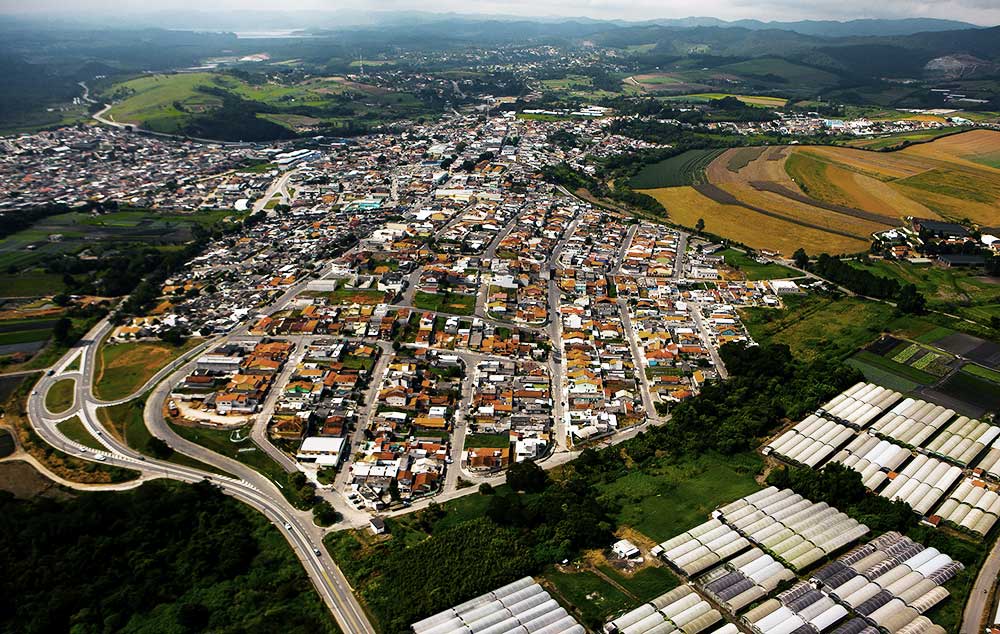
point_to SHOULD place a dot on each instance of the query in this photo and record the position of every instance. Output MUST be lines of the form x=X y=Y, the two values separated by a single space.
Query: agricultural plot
x=153 y=101
x=761 y=101
x=687 y=168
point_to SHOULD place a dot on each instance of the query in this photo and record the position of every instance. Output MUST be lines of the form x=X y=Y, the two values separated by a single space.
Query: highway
x=249 y=486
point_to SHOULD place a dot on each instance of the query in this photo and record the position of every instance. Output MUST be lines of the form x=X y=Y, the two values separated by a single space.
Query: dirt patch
x=25 y=482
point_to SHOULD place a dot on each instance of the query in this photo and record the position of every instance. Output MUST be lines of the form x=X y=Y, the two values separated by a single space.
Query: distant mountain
x=831 y=28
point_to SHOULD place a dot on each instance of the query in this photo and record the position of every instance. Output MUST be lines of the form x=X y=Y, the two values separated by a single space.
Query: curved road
x=250 y=486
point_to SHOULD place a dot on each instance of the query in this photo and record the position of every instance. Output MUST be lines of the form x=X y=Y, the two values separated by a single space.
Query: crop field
x=686 y=205
x=789 y=72
x=123 y=368
x=761 y=101
x=829 y=199
x=31 y=246
x=894 y=141
x=687 y=168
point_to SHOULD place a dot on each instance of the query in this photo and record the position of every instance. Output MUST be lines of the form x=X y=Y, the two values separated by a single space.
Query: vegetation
x=754 y=270
x=863 y=282
x=684 y=169
x=207 y=564
x=73 y=429
x=446 y=302
x=60 y=396
x=123 y=368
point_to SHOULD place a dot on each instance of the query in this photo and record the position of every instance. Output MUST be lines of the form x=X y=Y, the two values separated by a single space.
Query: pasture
x=761 y=101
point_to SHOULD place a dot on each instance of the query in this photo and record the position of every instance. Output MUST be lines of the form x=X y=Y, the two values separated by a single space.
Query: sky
x=984 y=12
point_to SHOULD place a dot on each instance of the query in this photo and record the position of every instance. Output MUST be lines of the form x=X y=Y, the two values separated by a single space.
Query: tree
x=910 y=301
x=526 y=476
x=800 y=258
x=486 y=489
x=700 y=225
x=158 y=449
x=324 y=514
x=61 y=329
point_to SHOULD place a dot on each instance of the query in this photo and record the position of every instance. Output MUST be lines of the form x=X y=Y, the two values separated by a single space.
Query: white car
x=288 y=526
x=100 y=457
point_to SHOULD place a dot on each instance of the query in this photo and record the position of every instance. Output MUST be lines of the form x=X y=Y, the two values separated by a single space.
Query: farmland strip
x=777 y=188
x=721 y=196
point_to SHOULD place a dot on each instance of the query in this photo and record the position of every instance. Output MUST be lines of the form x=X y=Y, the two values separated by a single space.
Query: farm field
x=687 y=168
x=828 y=199
x=686 y=205
x=762 y=101
x=123 y=368
x=895 y=141
x=171 y=102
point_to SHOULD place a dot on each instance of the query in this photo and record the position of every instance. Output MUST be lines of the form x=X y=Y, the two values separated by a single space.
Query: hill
x=831 y=199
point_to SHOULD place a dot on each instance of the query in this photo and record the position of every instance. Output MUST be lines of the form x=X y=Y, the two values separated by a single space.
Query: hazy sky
x=985 y=12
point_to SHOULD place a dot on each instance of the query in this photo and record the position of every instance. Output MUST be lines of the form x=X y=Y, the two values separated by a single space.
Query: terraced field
x=829 y=199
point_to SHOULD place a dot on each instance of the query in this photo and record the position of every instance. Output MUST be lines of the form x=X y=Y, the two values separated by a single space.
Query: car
x=143 y=458
x=100 y=457
x=34 y=392
x=316 y=551
x=288 y=526
x=50 y=373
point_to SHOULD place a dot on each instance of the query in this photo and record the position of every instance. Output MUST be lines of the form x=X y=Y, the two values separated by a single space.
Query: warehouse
x=749 y=577
x=701 y=547
x=971 y=506
x=797 y=531
x=522 y=607
x=811 y=442
x=913 y=421
x=922 y=483
x=963 y=440
x=860 y=405
x=680 y=611
x=890 y=581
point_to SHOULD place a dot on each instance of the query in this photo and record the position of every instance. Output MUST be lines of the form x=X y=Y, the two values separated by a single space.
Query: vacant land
x=455 y=303
x=123 y=368
x=667 y=499
x=687 y=168
x=754 y=270
x=60 y=396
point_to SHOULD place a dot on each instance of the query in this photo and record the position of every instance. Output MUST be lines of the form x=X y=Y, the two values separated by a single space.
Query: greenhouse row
x=922 y=483
x=701 y=547
x=810 y=442
x=747 y=578
x=962 y=440
x=971 y=506
x=890 y=582
x=872 y=457
x=801 y=608
x=680 y=611
x=990 y=463
x=913 y=421
x=860 y=405
x=797 y=531
x=522 y=607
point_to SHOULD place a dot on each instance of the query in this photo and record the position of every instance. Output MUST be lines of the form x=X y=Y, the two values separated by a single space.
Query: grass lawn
x=126 y=422
x=645 y=584
x=667 y=500
x=593 y=598
x=754 y=270
x=487 y=440
x=455 y=303
x=123 y=368
x=60 y=396
x=980 y=371
x=881 y=376
x=32 y=284
x=73 y=429
x=218 y=441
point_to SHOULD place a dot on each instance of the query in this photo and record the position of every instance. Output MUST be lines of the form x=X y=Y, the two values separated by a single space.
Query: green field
x=783 y=70
x=754 y=270
x=497 y=441
x=760 y=101
x=687 y=168
x=32 y=284
x=981 y=372
x=126 y=422
x=123 y=368
x=73 y=429
x=667 y=499
x=60 y=396
x=895 y=141
x=447 y=302
x=152 y=100
x=593 y=598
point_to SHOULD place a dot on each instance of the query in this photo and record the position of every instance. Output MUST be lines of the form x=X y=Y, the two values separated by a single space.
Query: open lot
x=60 y=396
x=754 y=270
x=123 y=368
x=455 y=303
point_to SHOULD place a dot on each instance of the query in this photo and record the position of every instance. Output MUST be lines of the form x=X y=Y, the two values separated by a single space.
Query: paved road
x=248 y=486
x=979 y=596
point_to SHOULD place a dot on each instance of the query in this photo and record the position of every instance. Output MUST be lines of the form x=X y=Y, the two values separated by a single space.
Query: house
x=325 y=451
x=377 y=526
